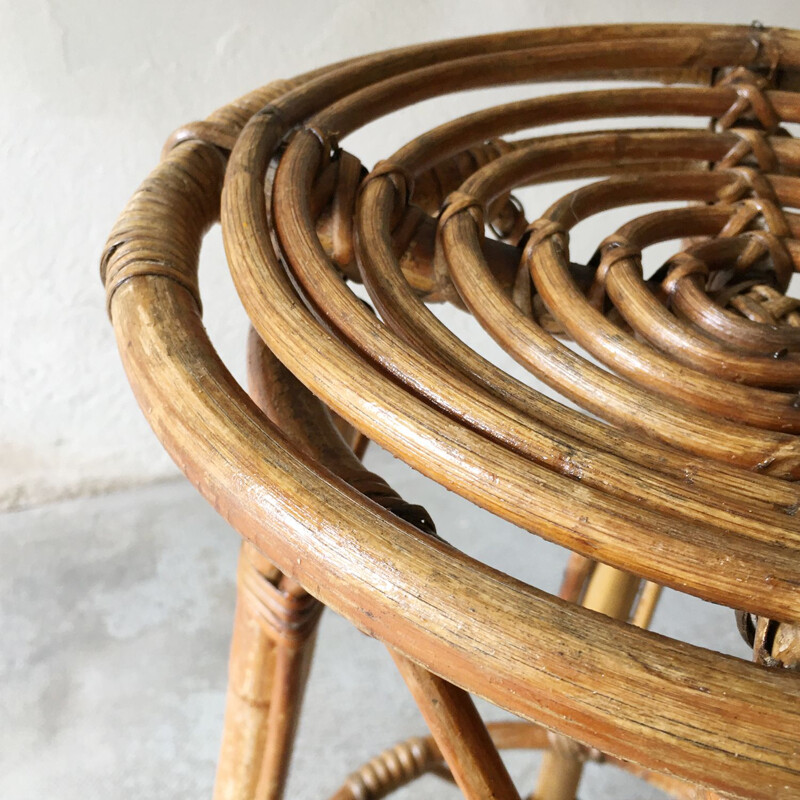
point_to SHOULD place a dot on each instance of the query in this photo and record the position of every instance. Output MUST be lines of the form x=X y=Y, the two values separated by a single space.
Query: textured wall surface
x=89 y=91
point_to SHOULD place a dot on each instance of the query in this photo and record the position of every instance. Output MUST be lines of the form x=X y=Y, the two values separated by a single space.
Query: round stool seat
x=679 y=471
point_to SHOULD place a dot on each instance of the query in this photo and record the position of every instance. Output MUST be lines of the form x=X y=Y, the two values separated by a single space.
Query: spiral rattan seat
x=682 y=474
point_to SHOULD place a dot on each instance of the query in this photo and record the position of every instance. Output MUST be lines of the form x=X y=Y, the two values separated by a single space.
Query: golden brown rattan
x=683 y=474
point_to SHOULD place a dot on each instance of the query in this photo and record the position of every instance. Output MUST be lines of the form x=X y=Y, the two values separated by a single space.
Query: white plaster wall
x=89 y=91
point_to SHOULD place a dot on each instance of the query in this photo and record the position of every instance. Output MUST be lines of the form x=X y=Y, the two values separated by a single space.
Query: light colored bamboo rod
x=645 y=608
x=611 y=591
x=559 y=776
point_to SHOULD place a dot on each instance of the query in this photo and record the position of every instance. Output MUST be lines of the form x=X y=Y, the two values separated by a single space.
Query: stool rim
x=273 y=496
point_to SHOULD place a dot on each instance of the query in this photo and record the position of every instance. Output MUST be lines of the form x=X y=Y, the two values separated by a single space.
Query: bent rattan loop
x=458 y=202
x=273 y=110
x=400 y=178
x=751 y=99
x=748 y=182
x=328 y=140
x=612 y=250
x=745 y=212
x=349 y=175
x=509 y=223
x=680 y=266
x=215 y=133
x=751 y=142
x=761 y=242
x=538 y=231
x=521 y=292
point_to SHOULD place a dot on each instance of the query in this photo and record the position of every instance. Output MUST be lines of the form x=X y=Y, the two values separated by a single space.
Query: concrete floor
x=115 y=614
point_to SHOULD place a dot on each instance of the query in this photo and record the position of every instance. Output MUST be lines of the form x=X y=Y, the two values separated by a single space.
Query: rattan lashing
x=684 y=477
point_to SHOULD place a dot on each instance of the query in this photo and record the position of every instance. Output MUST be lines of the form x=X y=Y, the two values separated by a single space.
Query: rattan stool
x=682 y=474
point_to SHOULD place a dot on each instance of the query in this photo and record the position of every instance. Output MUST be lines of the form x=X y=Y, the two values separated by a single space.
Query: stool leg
x=612 y=592
x=273 y=641
x=459 y=732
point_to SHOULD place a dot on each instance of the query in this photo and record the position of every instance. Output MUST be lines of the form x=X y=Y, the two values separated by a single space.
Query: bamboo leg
x=459 y=733
x=273 y=640
x=292 y=666
x=579 y=569
x=611 y=592
x=559 y=775
x=645 y=608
